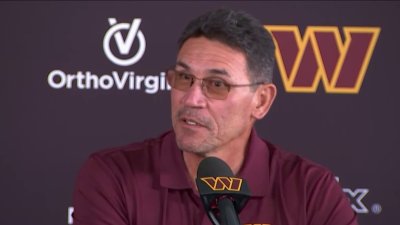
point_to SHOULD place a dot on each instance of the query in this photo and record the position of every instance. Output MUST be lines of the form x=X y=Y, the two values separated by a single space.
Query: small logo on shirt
x=257 y=224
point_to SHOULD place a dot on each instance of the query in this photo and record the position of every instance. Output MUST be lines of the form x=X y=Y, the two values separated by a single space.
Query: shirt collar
x=173 y=169
x=254 y=169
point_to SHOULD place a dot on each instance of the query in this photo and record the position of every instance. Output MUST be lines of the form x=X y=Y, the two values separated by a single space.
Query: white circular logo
x=124 y=46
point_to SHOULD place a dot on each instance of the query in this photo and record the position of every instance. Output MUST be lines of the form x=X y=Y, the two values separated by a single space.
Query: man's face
x=202 y=124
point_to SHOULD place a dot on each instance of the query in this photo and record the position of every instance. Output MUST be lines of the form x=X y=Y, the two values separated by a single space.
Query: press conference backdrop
x=77 y=77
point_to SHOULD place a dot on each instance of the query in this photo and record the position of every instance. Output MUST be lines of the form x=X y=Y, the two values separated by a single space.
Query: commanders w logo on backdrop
x=322 y=55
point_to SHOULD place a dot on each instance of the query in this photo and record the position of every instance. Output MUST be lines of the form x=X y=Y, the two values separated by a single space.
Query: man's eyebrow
x=218 y=72
x=182 y=64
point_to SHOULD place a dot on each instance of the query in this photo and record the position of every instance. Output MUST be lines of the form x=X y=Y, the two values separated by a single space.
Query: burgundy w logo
x=223 y=183
x=322 y=55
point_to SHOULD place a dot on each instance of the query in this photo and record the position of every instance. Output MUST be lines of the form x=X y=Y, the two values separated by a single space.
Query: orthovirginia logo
x=114 y=80
x=124 y=47
x=322 y=55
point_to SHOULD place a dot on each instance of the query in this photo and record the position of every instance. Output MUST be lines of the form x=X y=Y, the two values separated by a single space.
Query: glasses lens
x=216 y=88
x=179 y=80
x=213 y=87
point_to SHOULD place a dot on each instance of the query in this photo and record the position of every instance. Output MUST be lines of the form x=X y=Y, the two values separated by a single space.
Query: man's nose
x=195 y=96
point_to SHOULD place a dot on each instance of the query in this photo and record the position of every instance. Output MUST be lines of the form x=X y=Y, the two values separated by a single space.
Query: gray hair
x=240 y=31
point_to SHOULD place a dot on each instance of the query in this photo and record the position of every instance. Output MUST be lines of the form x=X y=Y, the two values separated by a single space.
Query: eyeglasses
x=212 y=87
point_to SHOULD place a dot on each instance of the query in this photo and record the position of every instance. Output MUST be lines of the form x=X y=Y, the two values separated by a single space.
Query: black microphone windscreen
x=213 y=167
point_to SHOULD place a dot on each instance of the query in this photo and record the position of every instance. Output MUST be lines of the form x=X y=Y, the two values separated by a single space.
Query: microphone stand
x=228 y=215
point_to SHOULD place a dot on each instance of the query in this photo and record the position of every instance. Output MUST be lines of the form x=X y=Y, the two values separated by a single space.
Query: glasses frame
x=205 y=86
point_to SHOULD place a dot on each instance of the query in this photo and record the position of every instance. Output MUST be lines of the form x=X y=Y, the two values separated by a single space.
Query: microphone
x=222 y=194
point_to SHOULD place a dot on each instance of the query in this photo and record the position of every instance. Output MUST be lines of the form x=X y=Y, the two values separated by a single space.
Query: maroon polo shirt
x=146 y=184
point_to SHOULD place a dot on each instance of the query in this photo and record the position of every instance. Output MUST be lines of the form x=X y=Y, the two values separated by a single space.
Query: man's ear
x=265 y=95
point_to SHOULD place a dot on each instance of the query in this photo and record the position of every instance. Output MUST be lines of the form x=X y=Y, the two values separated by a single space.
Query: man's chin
x=188 y=147
x=196 y=147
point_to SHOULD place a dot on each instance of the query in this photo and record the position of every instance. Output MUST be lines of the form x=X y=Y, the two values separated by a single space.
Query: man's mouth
x=191 y=122
x=193 y=119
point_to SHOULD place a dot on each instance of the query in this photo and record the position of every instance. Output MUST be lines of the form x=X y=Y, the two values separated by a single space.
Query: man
x=221 y=84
